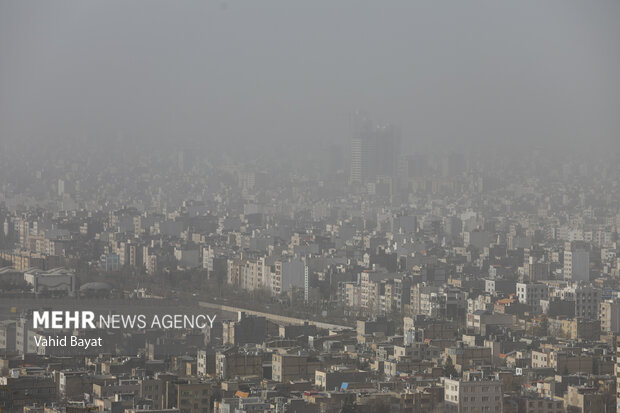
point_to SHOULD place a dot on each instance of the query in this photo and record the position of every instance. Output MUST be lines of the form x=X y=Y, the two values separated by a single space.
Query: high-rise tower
x=374 y=150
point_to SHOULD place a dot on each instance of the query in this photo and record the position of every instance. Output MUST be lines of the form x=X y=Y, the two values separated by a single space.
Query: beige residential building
x=287 y=367
x=542 y=405
x=464 y=357
x=474 y=396
x=194 y=398
x=610 y=316
x=231 y=363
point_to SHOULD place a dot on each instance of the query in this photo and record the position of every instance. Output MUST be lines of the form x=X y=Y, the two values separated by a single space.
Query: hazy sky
x=287 y=71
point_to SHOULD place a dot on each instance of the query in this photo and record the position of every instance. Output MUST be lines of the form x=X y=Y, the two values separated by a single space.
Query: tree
x=448 y=369
x=349 y=406
x=544 y=327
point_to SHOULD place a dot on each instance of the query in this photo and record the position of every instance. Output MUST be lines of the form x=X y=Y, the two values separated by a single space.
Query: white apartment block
x=532 y=293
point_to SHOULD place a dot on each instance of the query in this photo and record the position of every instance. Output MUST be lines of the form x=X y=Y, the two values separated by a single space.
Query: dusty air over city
x=232 y=206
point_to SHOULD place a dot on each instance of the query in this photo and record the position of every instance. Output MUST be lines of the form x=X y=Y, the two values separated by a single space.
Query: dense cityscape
x=370 y=280
x=228 y=206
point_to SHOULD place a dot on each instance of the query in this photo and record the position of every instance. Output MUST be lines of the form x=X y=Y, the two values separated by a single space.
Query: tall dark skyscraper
x=374 y=150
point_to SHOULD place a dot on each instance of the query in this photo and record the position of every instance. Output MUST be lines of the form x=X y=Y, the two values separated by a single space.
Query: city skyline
x=284 y=207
